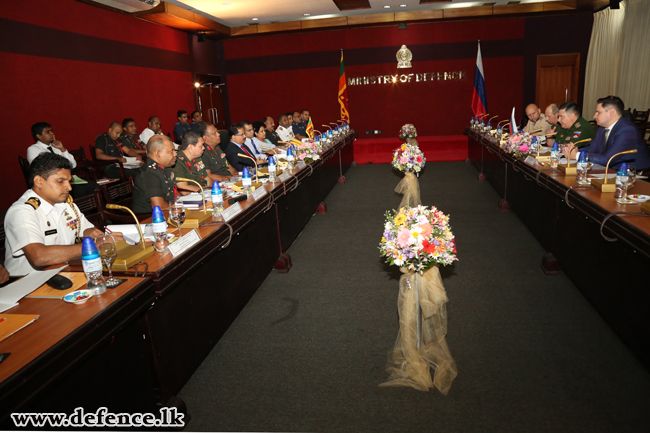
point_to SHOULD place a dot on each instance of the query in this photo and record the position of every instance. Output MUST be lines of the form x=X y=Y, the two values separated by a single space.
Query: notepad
x=78 y=280
x=12 y=323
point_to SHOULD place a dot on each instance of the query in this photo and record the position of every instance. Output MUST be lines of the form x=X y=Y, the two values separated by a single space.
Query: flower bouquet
x=409 y=159
x=419 y=239
x=307 y=151
x=408 y=131
x=519 y=144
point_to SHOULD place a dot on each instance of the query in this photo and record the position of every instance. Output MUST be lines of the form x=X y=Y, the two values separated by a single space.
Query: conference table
x=184 y=304
x=602 y=246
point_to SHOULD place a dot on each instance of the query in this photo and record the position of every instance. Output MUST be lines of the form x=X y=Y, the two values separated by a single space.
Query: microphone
x=254 y=161
x=493 y=117
x=326 y=126
x=602 y=184
x=184 y=179
x=503 y=121
x=137 y=223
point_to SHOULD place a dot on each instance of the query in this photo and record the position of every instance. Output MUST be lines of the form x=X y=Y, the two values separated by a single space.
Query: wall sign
x=407 y=78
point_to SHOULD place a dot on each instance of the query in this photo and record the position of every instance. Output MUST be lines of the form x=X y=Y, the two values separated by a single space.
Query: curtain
x=633 y=81
x=604 y=56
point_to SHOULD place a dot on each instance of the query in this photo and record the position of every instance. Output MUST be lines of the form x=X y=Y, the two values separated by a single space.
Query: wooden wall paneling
x=324 y=22
x=518 y=8
x=557 y=73
x=467 y=12
x=279 y=27
x=433 y=14
x=371 y=19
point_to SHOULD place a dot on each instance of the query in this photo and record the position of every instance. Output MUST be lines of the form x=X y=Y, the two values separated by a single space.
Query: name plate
x=531 y=160
x=301 y=165
x=184 y=243
x=259 y=193
x=231 y=212
x=285 y=176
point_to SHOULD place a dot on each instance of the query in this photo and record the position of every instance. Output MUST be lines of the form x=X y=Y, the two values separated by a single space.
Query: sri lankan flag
x=343 y=93
x=310 y=129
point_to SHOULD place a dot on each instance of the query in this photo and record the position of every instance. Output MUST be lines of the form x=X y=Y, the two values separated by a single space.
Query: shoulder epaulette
x=33 y=202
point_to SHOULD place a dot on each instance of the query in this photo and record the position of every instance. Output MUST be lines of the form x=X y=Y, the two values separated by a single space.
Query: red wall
x=273 y=74
x=79 y=68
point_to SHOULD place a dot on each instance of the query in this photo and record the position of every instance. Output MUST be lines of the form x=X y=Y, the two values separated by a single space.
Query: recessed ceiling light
x=306 y=15
x=255 y=19
x=226 y=4
x=386 y=7
x=402 y=6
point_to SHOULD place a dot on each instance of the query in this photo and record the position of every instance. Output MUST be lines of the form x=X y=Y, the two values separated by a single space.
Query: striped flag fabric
x=310 y=129
x=343 y=93
x=513 y=123
x=479 y=101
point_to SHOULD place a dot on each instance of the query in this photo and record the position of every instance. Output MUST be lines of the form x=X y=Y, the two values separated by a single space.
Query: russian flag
x=479 y=101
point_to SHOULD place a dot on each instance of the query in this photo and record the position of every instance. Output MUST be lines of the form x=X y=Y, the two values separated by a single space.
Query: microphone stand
x=254 y=162
x=602 y=184
x=195 y=219
x=129 y=255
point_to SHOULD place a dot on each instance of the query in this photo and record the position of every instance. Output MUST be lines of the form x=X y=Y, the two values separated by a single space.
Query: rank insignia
x=577 y=124
x=33 y=202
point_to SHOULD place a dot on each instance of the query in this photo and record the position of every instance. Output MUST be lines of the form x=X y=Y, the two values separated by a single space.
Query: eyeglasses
x=237 y=135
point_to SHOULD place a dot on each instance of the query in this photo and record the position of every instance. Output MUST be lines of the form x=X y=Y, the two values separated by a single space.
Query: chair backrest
x=93 y=155
x=24 y=166
x=641 y=116
x=119 y=192
x=2 y=241
x=79 y=155
x=90 y=206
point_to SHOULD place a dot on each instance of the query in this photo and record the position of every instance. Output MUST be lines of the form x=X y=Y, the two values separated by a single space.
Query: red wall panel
x=431 y=33
x=73 y=16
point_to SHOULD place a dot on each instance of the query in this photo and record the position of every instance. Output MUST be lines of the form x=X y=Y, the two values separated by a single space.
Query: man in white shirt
x=154 y=128
x=46 y=142
x=284 y=131
x=537 y=124
x=44 y=227
x=249 y=134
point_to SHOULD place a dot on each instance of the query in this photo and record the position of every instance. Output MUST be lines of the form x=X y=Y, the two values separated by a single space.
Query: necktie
x=255 y=147
x=605 y=140
x=246 y=151
x=50 y=149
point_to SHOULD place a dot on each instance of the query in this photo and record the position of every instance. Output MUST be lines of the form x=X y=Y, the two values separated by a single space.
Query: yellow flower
x=399 y=219
x=383 y=239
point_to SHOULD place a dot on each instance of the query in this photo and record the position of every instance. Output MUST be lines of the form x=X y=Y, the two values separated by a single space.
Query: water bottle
x=159 y=229
x=92 y=265
x=533 y=144
x=329 y=136
x=272 y=168
x=246 y=182
x=471 y=123
x=217 y=199
x=581 y=167
x=555 y=155
x=499 y=131
x=290 y=158
x=620 y=177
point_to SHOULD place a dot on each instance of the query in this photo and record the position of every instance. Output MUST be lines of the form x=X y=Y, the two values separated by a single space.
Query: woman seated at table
x=261 y=141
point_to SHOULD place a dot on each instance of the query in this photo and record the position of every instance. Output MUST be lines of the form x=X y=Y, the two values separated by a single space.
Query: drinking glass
x=177 y=214
x=627 y=180
x=108 y=253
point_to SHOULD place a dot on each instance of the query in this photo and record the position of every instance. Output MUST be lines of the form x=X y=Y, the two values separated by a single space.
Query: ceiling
x=236 y=13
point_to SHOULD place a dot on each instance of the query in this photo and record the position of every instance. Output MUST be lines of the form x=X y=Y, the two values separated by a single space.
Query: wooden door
x=557 y=79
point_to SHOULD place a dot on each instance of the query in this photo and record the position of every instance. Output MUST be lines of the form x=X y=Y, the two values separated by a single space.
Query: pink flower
x=426 y=229
x=403 y=237
x=524 y=148
x=516 y=139
x=404 y=160
x=302 y=155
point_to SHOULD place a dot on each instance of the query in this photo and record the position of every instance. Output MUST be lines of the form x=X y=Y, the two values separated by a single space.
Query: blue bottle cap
x=534 y=139
x=289 y=152
x=157 y=215
x=555 y=147
x=216 y=189
x=623 y=168
x=582 y=157
x=246 y=173
x=88 y=248
x=271 y=160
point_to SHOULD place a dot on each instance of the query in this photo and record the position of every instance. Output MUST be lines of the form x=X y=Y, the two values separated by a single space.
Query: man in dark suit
x=236 y=147
x=616 y=134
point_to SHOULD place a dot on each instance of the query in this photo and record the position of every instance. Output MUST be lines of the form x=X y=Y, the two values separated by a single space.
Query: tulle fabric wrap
x=409 y=187
x=409 y=365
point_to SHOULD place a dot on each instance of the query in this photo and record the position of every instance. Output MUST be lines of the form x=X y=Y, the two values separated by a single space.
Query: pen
x=3 y=319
